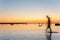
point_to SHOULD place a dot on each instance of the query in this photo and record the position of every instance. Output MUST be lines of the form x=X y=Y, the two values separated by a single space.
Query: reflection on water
x=28 y=32
x=48 y=36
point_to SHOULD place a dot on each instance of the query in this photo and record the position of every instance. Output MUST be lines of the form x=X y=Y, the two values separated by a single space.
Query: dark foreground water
x=28 y=32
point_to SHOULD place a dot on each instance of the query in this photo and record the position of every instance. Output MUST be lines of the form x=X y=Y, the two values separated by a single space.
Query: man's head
x=47 y=16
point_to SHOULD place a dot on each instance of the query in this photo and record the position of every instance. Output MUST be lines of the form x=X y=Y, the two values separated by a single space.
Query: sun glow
x=30 y=20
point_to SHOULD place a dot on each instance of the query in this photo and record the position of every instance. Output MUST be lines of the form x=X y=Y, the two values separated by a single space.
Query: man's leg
x=46 y=29
x=50 y=30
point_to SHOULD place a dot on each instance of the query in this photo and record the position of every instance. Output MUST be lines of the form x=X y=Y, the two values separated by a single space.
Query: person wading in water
x=49 y=23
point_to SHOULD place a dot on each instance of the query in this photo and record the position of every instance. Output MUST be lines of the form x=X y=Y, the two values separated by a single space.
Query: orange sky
x=30 y=20
x=30 y=11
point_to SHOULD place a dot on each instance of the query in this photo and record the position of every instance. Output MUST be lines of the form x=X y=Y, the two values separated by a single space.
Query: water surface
x=28 y=32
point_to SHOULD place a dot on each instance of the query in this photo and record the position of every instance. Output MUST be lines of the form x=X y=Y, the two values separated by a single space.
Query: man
x=49 y=23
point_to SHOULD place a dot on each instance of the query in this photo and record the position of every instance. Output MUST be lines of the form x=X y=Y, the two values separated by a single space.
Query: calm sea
x=28 y=32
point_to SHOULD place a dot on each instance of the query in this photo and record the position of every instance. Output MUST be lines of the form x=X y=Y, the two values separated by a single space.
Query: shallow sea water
x=28 y=32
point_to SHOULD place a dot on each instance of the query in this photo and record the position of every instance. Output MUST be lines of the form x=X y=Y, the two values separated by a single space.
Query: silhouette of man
x=49 y=23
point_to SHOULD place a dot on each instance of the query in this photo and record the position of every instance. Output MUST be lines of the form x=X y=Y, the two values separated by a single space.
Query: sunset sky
x=29 y=10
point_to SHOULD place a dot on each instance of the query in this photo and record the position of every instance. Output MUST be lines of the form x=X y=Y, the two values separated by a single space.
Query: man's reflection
x=48 y=36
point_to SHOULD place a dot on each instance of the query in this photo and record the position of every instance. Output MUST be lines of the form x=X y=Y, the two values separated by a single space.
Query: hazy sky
x=29 y=8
